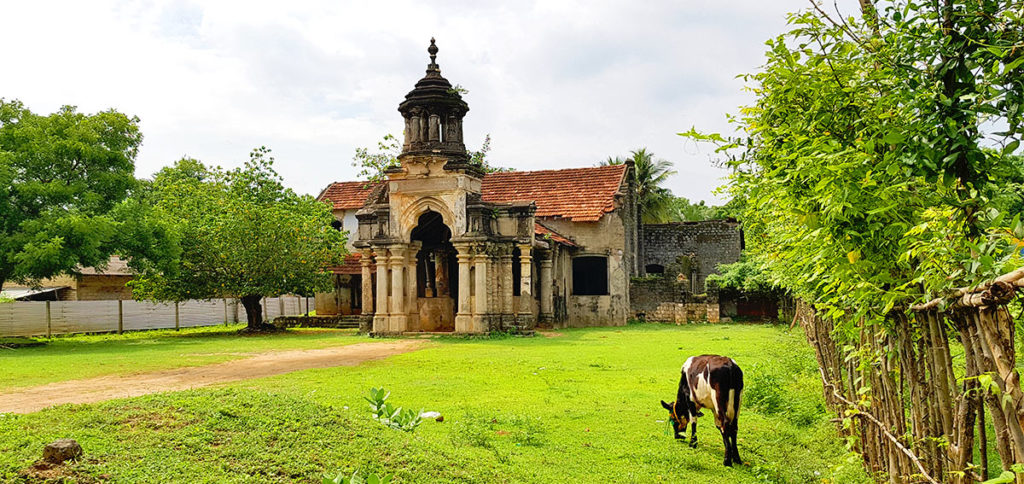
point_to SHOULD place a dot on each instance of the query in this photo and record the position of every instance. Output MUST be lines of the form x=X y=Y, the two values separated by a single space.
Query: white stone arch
x=411 y=215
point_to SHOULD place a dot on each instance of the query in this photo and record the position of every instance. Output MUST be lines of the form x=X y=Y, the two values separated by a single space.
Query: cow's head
x=678 y=416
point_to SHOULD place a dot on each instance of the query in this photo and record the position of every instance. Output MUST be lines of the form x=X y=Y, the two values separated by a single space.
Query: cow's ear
x=668 y=406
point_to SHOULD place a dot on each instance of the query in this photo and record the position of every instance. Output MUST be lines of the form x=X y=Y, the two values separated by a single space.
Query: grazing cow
x=712 y=382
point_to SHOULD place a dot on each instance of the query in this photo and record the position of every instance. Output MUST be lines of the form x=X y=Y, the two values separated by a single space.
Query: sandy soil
x=97 y=389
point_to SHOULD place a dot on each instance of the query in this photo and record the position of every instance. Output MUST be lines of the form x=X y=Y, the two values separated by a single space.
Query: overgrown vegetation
x=871 y=167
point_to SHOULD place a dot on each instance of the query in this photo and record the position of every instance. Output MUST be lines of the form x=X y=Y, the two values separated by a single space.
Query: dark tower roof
x=433 y=90
x=433 y=113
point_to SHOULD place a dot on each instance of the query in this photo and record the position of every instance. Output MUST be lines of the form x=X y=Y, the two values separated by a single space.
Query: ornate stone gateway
x=445 y=259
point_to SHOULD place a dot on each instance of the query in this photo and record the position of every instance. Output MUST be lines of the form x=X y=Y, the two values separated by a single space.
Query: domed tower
x=433 y=113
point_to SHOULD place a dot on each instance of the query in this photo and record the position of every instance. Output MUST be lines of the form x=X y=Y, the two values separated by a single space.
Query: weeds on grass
x=406 y=420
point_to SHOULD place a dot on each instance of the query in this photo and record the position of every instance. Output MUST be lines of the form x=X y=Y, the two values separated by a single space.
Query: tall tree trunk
x=253 y=311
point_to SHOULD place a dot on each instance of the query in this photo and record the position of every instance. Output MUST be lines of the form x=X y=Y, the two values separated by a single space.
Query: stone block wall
x=683 y=246
x=680 y=313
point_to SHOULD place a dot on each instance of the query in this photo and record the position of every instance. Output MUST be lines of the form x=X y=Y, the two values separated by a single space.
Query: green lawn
x=581 y=407
x=84 y=356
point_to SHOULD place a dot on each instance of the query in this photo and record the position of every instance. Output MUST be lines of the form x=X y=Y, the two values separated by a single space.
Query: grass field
x=579 y=407
x=75 y=357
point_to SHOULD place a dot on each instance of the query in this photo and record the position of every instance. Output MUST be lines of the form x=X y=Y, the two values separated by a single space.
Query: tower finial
x=432 y=50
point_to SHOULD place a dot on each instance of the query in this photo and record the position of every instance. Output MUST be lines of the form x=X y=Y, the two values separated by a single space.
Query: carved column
x=434 y=128
x=464 y=316
x=525 y=316
x=411 y=290
x=546 y=302
x=380 y=317
x=398 y=318
x=508 y=312
x=481 y=309
x=365 y=261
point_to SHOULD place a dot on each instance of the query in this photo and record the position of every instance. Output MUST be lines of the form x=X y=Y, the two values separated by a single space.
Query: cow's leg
x=733 y=427
x=728 y=448
x=693 y=434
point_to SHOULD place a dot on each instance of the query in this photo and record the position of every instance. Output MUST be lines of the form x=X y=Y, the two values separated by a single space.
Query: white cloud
x=556 y=83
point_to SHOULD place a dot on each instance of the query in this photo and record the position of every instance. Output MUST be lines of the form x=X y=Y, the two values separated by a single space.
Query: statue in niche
x=435 y=127
x=414 y=129
x=441 y=272
x=450 y=134
x=457 y=129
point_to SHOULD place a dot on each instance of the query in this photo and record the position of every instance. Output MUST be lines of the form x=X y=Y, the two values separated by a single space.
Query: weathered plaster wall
x=605 y=237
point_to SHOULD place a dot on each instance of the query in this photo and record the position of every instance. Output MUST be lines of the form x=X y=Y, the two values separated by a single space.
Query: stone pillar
x=481 y=309
x=441 y=274
x=398 y=318
x=508 y=311
x=464 y=316
x=365 y=261
x=411 y=289
x=380 y=317
x=546 y=283
x=525 y=317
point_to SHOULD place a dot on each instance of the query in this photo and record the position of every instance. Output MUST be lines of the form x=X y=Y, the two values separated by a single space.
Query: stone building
x=441 y=246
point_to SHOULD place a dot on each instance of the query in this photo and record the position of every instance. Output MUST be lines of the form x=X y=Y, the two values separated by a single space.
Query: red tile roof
x=347 y=195
x=545 y=233
x=351 y=265
x=577 y=194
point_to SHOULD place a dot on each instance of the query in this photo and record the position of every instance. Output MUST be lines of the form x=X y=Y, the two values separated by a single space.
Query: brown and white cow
x=712 y=382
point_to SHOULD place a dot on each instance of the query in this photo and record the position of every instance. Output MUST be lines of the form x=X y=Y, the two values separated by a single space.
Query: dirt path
x=97 y=389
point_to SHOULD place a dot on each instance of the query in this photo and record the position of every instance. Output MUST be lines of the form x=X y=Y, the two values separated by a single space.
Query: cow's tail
x=736 y=395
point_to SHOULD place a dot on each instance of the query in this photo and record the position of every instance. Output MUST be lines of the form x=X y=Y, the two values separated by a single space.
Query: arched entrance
x=437 y=281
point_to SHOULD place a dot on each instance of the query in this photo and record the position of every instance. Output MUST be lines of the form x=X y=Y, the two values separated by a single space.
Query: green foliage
x=861 y=165
x=61 y=175
x=238 y=233
x=357 y=478
x=382 y=411
x=656 y=202
x=745 y=276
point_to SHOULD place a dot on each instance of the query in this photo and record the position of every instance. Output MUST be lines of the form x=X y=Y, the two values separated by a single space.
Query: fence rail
x=47 y=318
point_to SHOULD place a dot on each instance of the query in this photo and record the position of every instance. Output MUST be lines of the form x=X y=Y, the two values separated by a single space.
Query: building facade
x=442 y=246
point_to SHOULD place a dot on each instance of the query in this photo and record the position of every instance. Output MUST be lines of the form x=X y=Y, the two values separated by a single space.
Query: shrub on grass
x=396 y=418
x=357 y=478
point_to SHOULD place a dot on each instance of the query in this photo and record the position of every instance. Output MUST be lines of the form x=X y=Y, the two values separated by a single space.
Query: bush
x=356 y=478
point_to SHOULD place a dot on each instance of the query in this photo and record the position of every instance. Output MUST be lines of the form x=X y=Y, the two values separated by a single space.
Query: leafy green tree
x=656 y=202
x=60 y=177
x=240 y=233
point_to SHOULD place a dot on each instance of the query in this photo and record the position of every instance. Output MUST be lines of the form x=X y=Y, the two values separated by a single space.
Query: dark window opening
x=517 y=272
x=336 y=224
x=654 y=269
x=590 y=276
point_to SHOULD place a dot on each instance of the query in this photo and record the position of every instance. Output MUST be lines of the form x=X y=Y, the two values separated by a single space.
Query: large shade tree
x=61 y=175
x=240 y=233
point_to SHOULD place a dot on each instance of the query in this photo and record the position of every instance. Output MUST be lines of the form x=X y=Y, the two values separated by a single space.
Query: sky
x=556 y=84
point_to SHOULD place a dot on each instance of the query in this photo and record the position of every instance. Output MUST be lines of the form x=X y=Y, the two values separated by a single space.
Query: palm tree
x=655 y=201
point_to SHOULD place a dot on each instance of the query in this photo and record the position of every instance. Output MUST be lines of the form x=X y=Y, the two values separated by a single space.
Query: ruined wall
x=705 y=243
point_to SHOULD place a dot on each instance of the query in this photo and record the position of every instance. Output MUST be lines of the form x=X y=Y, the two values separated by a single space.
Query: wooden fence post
x=48 y=330
x=225 y=311
x=266 y=313
x=120 y=316
x=177 y=321
x=280 y=305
